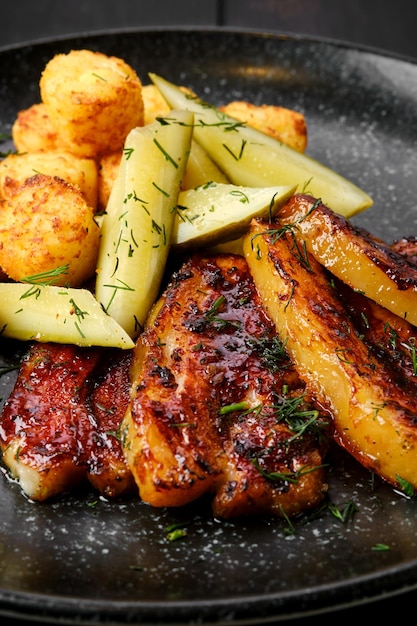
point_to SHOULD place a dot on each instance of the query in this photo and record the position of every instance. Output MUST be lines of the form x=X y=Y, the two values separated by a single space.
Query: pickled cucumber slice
x=137 y=225
x=216 y=212
x=201 y=169
x=251 y=158
x=51 y=313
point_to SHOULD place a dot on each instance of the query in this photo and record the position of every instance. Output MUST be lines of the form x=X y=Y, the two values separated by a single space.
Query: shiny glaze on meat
x=107 y=401
x=55 y=427
x=362 y=261
x=207 y=408
x=391 y=338
x=373 y=412
x=407 y=247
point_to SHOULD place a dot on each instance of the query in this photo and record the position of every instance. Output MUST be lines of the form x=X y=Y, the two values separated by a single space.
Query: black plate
x=86 y=560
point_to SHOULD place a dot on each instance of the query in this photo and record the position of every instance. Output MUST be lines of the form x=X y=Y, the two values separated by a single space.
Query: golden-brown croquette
x=93 y=100
x=33 y=131
x=154 y=104
x=107 y=172
x=47 y=225
x=283 y=124
x=82 y=172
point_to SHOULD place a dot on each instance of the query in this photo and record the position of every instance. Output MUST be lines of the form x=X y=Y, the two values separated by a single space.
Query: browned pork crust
x=216 y=404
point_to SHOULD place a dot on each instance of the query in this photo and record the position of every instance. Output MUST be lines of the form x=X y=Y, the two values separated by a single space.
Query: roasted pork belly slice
x=45 y=424
x=407 y=247
x=59 y=425
x=107 y=401
x=390 y=337
x=216 y=406
x=373 y=408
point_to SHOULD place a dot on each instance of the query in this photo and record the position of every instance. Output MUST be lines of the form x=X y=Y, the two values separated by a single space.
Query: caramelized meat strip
x=60 y=423
x=407 y=247
x=374 y=416
x=45 y=424
x=390 y=337
x=364 y=262
x=107 y=401
x=217 y=407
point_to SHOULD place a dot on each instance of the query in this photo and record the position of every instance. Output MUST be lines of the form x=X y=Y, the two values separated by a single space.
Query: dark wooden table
x=385 y=25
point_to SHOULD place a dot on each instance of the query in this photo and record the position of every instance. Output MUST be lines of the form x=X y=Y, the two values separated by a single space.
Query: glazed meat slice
x=390 y=337
x=407 y=247
x=59 y=425
x=107 y=401
x=216 y=406
x=45 y=423
x=373 y=405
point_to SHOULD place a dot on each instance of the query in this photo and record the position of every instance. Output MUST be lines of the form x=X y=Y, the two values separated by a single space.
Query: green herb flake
x=343 y=513
x=405 y=486
x=380 y=547
x=176 y=531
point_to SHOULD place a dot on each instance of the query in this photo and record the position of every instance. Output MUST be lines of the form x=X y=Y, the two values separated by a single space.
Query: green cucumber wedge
x=216 y=212
x=201 y=169
x=50 y=313
x=137 y=225
x=251 y=158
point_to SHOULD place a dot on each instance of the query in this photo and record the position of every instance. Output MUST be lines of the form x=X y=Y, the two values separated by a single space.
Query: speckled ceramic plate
x=85 y=560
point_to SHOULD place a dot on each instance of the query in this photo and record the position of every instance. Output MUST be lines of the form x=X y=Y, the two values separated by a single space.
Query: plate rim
x=234 y=30
x=87 y=609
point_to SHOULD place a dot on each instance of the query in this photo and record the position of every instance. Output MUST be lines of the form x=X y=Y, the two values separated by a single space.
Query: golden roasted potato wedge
x=374 y=417
x=367 y=264
x=387 y=334
x=69 y=401
x=216 y=405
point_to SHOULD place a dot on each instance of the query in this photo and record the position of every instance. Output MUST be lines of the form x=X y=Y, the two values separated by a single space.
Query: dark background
x=389 y=26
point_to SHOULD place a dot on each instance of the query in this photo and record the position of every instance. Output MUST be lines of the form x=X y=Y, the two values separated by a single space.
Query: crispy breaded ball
x=283 y=124
x=83 y=172
x=33 y=130
x=45 y=225
x=154 y=104
x=93 y=100
x=107 y=172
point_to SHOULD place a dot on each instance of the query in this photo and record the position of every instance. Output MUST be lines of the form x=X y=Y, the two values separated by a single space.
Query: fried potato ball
x=283 y=124
x=154 y=104
x=33 y=131
x=107 y=172
x=45 y=225
x=16 y=168
x=93 y=100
